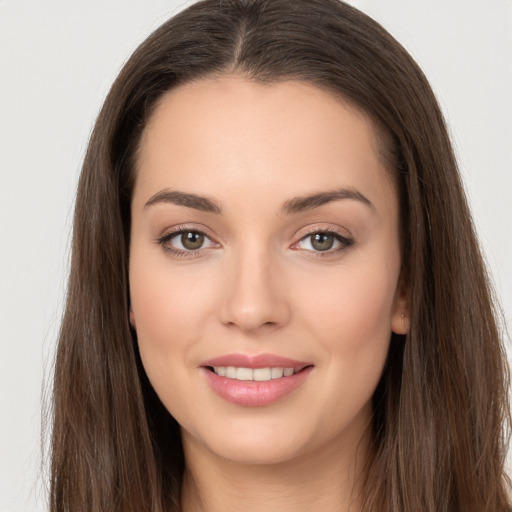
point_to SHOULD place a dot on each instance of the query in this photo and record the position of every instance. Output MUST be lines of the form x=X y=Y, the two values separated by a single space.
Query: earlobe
x=400 y=319
x=400 y=322
x=132 y=318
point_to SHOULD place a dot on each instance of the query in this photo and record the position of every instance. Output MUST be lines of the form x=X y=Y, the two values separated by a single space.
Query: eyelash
x=344 y=241
x=164 y=241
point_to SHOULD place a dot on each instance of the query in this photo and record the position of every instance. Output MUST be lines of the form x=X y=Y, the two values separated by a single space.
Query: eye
x=186 y=241
x=323 y=241
x=189 y=240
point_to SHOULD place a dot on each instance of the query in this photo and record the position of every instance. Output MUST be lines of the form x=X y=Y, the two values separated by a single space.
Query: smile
x=254 y=374
x=255 y=381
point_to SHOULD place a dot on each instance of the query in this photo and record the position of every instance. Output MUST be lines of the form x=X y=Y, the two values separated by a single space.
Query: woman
x=276 y=297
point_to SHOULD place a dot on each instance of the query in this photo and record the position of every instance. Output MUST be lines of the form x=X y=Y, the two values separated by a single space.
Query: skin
x=259 y=285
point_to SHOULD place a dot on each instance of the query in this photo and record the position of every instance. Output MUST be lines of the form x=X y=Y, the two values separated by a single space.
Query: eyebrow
x=294 y=205
x=201 y=203
x=310 y=202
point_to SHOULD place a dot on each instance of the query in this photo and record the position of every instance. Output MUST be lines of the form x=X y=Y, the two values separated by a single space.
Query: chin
x=251 y=442
x=274 y=439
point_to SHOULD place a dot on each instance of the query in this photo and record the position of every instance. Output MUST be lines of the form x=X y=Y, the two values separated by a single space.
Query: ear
x=400 y=316
x=132 y=318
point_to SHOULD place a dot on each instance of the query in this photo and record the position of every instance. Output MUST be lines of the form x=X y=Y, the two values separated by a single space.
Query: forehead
x=216 y=134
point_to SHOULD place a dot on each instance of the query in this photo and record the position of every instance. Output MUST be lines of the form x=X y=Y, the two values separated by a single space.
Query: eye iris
x=322 y=241
x=192 y=240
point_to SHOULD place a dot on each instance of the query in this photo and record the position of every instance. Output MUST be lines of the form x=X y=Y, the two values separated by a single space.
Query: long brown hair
x=441 y=408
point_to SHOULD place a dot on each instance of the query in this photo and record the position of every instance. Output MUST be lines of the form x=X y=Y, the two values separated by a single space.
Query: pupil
x=192 y=240
x=322 y=241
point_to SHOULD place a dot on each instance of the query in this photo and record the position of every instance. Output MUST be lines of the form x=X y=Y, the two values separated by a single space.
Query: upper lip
x=255 y=361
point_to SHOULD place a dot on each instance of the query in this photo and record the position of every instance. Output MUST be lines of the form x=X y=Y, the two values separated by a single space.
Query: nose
x=255 y=296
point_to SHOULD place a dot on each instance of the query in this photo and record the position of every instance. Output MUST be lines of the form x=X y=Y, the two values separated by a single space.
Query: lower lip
x=250 y=393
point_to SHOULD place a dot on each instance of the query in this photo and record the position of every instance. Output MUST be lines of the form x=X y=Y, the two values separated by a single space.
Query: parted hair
x=441 y=411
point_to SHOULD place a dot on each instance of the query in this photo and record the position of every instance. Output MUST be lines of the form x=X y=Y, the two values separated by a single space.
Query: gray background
x=57 y=60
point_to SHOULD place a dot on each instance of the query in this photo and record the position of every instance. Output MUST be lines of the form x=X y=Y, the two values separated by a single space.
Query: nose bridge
x=254 y=298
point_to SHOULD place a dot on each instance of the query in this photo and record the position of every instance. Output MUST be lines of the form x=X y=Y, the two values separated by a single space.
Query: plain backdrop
x=57 y=60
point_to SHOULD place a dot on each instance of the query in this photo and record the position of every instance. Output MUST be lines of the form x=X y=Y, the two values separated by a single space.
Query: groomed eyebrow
x=294 y=205
x=299 y=204
x=201 y=203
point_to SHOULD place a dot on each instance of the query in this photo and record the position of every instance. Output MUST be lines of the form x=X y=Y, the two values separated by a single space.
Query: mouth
x=255 y=374
x=255 y=381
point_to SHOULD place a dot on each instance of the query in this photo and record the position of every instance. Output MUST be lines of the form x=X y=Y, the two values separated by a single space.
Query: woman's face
x=264 y=266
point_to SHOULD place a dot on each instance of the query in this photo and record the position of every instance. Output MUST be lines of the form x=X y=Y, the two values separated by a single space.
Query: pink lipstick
x=254 y=381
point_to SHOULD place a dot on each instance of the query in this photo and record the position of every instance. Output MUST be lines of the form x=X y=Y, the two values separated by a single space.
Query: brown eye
x=186 y=241
x=192 y=240
x=322 y=241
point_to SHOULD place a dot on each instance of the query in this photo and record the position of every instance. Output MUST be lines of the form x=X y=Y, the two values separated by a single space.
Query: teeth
x=262 y=374
x=257 y=374
x=231 y=372
x=244 y=374
x=277 y=373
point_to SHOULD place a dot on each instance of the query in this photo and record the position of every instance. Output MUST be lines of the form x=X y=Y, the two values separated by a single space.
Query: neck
x=328 y=480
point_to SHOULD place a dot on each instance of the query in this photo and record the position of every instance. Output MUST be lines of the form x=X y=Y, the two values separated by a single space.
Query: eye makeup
x=187 y=242
x=190 y=241
x=323 y=241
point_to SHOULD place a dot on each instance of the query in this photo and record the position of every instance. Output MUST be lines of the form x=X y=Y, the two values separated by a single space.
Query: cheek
x=169 y=308
x=351 y=322
x=171 y=311
x=353 y=302
x=168 y=301
x=350 y=310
